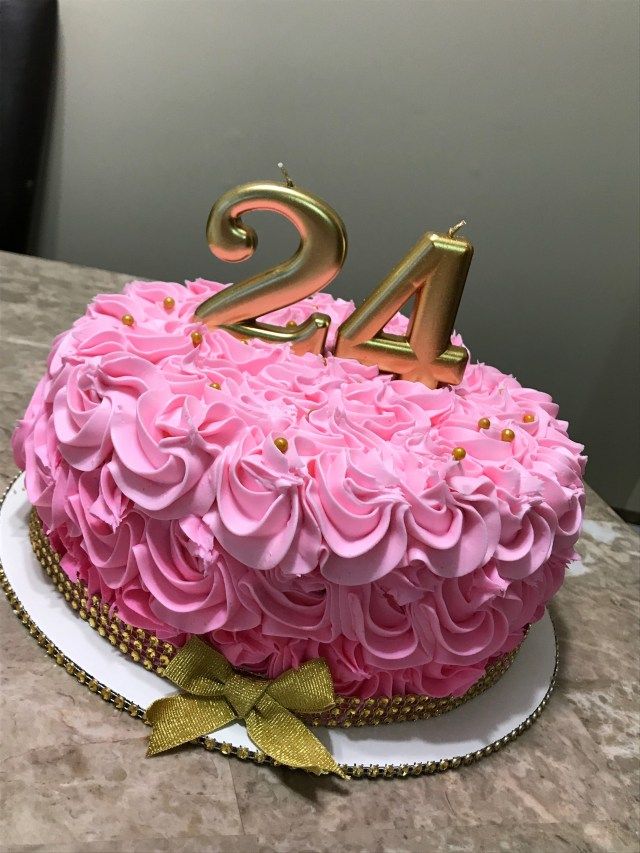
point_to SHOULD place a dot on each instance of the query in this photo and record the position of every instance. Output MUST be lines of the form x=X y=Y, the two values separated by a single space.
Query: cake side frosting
x=365 y=543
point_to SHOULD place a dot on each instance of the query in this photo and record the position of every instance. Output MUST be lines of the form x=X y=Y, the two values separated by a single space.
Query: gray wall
x=519 y=116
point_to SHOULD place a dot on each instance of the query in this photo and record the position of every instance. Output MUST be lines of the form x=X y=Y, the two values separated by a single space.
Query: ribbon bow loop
x=214 y=696
x=306 y=690
x=198 y=669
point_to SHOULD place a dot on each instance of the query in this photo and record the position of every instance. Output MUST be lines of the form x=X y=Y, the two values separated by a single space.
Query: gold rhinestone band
x=358 y=771
x=154 y=654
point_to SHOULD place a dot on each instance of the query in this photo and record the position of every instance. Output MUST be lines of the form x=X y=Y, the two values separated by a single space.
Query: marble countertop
x=71 y=767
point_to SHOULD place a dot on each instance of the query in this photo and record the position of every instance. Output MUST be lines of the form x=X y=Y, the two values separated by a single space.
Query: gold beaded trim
x=357 y=771
x=154 y=654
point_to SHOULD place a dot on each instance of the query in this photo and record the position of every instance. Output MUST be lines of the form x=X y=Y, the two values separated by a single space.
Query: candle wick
x=455 y=228
x=286 y=175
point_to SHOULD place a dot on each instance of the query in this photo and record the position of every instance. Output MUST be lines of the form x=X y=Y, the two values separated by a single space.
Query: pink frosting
x=365 y=543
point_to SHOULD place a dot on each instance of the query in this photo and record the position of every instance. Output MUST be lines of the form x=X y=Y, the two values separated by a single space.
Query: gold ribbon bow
x=214 y=695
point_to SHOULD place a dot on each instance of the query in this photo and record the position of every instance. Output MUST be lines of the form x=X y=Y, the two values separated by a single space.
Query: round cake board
x=513 y=703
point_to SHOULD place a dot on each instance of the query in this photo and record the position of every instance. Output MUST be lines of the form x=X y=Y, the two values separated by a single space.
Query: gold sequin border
x=154 y=654
x=357 y=771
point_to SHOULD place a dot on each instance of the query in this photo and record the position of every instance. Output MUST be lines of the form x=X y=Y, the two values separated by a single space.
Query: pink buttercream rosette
x=365 y=543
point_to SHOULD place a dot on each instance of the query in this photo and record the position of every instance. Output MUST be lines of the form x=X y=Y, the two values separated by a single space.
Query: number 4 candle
x=435 y=271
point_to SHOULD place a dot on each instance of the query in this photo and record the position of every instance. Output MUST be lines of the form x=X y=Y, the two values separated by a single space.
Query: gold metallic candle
x=316 y=262
x=435 y=271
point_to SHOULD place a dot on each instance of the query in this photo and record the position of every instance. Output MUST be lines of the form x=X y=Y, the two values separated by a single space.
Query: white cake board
x=515 y=701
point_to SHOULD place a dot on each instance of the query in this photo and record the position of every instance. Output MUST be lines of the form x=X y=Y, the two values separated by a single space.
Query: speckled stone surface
x=72 y=772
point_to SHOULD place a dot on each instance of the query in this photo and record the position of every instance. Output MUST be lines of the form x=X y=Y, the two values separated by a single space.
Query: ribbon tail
x=285 y=738
x=179 y=719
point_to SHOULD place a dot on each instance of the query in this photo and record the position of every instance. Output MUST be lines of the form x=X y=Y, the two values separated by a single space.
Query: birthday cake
x=287 y=507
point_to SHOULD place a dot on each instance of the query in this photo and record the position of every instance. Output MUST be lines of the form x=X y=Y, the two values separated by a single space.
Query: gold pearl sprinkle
x=169 y=303
x=484 y=423
x=291 y=324
x=458 y=453
x=528 y=418
x=281 y=443
x=196 y=338
x=214 y=385
x=507 y=435
x=127 y=320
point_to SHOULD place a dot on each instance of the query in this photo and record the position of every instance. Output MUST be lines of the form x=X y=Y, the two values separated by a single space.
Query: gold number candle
x=434 y=271
x=317 y=261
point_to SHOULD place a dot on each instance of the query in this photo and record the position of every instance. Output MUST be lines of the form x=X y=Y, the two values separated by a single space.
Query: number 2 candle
x=317 y=261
